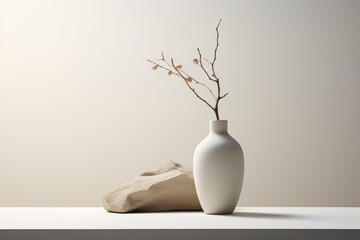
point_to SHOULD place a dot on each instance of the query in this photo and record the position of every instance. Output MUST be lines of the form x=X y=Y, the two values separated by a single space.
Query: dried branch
x=192 y=89
x=202 y=84
x=224 y=95
x=199 y=83
x=177 y=74
x=207 y=60
x=160 y=66
x=216 y=110
x=217 y=42
x=177 y=71
x=203 y=68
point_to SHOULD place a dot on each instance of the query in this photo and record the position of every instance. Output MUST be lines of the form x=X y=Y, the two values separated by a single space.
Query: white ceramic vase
x=218 y=166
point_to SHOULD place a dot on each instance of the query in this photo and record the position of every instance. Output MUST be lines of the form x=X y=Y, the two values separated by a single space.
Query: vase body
x=218 y=166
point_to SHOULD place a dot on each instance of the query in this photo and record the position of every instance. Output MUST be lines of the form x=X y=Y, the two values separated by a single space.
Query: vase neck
x=218 y=126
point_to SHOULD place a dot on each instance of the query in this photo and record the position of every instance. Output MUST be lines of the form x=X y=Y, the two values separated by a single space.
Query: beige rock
x=168 y=188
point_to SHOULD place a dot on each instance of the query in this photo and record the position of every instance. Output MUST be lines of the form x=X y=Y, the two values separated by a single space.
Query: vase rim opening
x=218 y=120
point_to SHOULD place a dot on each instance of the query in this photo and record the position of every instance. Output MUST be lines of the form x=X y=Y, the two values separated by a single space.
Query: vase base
x=219 y=213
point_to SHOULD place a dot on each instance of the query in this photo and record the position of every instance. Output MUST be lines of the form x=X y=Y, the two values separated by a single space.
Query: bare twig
x=224 y=95
x=177 y=71
x=192 y=89
x=216 y=109
x=202 y=84
x=207 y=60
x=160 y=66
x=203 y=68
x=217 y=41
x=199 y=83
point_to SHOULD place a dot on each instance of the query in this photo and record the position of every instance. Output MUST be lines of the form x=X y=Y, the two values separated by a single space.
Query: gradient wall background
x=81 y=111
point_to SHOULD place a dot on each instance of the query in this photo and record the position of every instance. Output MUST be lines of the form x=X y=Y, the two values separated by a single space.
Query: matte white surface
x=243 y=218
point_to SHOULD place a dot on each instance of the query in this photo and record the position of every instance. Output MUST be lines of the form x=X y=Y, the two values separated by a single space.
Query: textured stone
x=169 y=188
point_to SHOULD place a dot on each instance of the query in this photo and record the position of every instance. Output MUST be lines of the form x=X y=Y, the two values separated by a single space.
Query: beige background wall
x=81 y=110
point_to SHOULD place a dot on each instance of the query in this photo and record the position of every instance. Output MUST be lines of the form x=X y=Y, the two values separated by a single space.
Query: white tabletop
x=243 y=218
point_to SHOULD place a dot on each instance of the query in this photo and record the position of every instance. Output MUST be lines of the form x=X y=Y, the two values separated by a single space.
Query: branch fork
x=173 y=69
